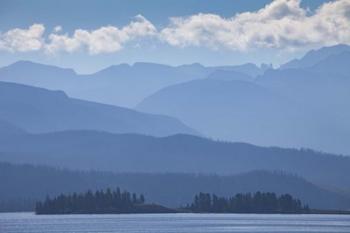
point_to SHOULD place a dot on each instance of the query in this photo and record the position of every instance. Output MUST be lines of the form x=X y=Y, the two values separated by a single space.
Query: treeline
x=247 y=203
x=100 y=201
x=117 y=202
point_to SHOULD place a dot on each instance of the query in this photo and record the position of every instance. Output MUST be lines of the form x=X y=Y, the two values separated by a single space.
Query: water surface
x=171 y=223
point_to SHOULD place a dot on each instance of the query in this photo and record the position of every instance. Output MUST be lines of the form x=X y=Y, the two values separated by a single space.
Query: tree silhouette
x=247 y=203
x=99 y=202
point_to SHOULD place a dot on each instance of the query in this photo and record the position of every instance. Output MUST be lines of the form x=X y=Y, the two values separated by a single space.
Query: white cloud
x=106 y=39
x=23 y=40
x=280 y=24
x=58 y=28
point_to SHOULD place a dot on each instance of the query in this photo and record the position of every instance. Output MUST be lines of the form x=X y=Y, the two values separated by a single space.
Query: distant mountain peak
x=150 y=65
x=113 y=68
x=25 y=65
x=23 y=62
x=196 y=64
x=312 y=57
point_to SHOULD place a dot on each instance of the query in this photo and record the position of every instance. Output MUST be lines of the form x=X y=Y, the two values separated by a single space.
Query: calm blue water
x=172 y=223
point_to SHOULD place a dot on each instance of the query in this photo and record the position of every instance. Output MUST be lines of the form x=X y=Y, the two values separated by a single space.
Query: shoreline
x=181 y=213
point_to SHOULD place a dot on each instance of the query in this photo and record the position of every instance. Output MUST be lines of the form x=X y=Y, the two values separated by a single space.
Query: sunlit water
x=172 y=223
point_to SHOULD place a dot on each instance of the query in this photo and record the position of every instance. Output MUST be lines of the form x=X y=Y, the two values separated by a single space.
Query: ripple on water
x=172 y=223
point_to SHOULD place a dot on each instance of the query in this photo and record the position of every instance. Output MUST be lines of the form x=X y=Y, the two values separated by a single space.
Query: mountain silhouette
x=303 y=107
x=121 y=85
x=39 y=110
x=178 y=153
x=313 y=57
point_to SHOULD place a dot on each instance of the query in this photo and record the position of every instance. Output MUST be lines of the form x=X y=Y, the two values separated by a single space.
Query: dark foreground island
x=117 y=202
x=99 y=202
x=267 y=203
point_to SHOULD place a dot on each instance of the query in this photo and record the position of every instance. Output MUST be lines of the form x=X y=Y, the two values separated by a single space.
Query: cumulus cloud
x=58 y=28
x=280 y=24
x=103 y=40
x=23 y=40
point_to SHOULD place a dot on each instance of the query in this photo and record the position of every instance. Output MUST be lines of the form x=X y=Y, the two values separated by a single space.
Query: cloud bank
x=282 y=24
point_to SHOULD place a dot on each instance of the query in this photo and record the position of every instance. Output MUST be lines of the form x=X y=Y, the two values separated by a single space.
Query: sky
x=90 y=35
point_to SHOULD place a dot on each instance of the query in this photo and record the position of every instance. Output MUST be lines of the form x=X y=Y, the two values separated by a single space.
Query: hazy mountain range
x=121 y=85
x=187 y=119
x=304 y=103
x=178 y=153
x=39 y=110
x=304 y=106
x=35 y=182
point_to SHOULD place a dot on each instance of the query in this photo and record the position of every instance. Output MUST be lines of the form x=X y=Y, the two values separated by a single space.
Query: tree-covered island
x=121 y=202
x=258 y=202
x=100 y=202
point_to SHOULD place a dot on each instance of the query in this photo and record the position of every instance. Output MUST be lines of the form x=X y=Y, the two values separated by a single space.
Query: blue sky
x=90 y=35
